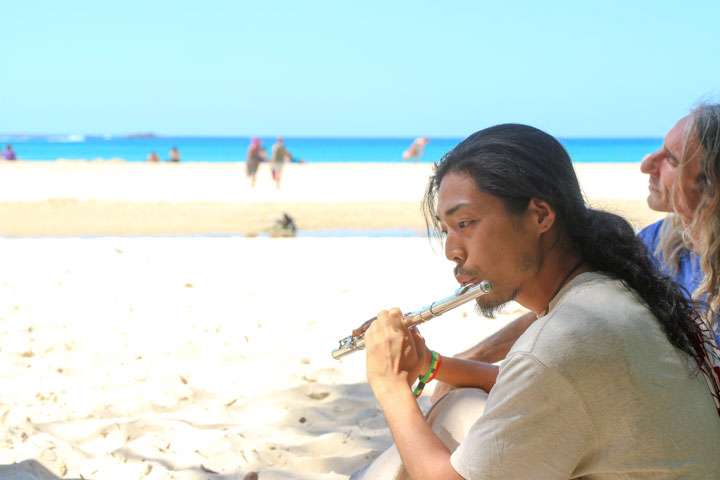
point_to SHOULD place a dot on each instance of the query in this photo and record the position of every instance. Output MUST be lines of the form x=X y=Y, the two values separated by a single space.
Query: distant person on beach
x=283 y=227
x=615 y=378
x=685 y=182
x=255 y=155
x=280 y=155
x=153 y=157
x=9 y=153
x=416 y=149
x=174 y=154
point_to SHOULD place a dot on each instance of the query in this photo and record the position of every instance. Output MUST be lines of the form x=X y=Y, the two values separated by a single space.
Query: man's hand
x=395 y=355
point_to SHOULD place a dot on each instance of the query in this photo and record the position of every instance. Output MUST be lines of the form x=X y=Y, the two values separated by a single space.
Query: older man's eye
x=671 y=159
x=464 y=224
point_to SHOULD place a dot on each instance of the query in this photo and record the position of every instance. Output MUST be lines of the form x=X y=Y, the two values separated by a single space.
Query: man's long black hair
x=517 y=163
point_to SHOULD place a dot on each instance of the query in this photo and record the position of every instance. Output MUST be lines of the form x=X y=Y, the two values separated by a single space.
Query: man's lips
x=465 y=280
x=465 y=276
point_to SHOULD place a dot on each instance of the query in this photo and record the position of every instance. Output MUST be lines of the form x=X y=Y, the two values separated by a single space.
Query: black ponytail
x=609 y=244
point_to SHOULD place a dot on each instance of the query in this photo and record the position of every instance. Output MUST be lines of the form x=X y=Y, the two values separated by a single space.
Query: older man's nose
x=649 y=163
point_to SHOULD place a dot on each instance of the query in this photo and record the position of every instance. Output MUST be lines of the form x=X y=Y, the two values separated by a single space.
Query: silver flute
x=464 y=294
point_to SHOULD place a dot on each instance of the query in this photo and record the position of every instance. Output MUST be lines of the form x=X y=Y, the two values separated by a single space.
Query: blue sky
x=371 y=68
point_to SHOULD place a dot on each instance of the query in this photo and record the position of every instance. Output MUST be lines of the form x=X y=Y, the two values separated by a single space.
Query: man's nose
x=453 y=250
x=649 y=163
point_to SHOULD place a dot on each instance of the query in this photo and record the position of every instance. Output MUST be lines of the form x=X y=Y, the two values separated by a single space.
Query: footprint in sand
x=318 y=395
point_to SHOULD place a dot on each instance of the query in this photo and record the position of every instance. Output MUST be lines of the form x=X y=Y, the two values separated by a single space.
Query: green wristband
x=429 y=375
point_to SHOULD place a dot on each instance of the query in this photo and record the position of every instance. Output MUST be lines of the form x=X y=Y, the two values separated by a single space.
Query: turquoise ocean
x=232 y=149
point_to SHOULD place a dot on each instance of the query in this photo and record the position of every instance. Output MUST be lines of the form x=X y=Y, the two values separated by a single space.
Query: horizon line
x=149 y=136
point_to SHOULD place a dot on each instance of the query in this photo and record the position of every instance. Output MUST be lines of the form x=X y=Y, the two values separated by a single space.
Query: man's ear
x=542 y=214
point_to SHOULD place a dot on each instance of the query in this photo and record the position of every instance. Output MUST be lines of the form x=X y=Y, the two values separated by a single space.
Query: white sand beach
x=207 y=357
x=116 y=197
x=179 y=357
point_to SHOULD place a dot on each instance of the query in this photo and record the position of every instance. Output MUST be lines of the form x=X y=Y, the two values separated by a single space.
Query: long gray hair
x=702 y=235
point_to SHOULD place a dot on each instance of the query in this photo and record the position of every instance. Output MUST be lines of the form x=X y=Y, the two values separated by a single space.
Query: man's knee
x=452 y=416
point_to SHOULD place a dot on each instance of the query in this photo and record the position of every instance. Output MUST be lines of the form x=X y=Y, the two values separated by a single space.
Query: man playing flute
x=684 y=180
x=614 y=379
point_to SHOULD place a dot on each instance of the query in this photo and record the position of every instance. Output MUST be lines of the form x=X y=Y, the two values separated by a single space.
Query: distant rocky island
x=140 y=135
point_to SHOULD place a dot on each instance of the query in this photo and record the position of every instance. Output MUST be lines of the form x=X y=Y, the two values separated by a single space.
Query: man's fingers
x=389 y=319
x=395 y=319
x=417 y=337
x=380 y=324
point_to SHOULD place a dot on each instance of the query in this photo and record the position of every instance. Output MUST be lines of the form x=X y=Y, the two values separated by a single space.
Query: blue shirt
x=688 y=274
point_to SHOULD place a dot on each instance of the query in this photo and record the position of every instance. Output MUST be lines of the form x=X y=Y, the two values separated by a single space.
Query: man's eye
x=463 y=224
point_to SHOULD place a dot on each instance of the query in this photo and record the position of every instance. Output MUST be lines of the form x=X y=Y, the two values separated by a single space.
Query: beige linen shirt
x=594 y=390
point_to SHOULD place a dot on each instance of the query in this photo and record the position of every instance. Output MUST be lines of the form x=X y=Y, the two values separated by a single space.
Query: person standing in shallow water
x=416 y=149
x=174 y=154
x=9 y=153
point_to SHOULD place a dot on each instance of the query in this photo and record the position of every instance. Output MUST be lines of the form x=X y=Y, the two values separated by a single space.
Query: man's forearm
x=459 y=372
x=496 y=347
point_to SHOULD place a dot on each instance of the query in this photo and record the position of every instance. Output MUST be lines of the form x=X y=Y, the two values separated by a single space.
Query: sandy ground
x=96 y=198
x=159 y=358
x=197 y=357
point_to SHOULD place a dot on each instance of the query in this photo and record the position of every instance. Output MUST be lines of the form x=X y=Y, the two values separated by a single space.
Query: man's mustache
x=466 y=272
